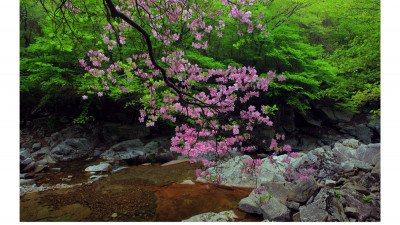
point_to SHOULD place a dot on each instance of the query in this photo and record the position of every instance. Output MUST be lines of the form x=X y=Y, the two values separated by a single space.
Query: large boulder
x=359 y=131
x=232 y=176
x=135 y=152
x=324 y=207
x=322 y=161
x=273 y=209
x=91 y=133
x=369 y=153
x=303 y=190
x=70 y=149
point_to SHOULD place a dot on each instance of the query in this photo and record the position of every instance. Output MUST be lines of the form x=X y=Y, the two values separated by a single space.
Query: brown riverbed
x=138 y=193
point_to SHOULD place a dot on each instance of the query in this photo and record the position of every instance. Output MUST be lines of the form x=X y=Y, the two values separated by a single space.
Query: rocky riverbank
x=345 y=185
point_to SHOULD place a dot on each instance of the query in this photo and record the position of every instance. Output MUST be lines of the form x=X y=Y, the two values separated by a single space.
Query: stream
x=137 y=193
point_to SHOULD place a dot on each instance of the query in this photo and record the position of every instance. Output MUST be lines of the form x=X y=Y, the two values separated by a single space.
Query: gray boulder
x=41 y=153
x=123 y=150
x=325 y=207
x=232 y=176
x=134 y=152
x=104 y=167
x=25 y=158
x=303 y=190
x=91 y=133
x=273 y=209
x=369 y=153
x=360 y=131
x=71 y=149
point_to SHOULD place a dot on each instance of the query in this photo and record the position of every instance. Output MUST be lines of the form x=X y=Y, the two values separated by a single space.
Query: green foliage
x=367 y=199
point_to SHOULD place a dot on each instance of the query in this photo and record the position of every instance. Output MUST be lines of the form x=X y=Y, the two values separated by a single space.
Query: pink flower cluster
x=250 y=166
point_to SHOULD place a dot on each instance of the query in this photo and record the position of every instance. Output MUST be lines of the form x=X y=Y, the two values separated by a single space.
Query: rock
x=351 y=212
x=47 y=160
x=164 y=157
x=91 y=133
x=325 y=207
x=376 y=171
x=342 y=152
x=303 y=190
x=293 y=205
x=273 y=209
x=175 y=162
x=71 y=149
x=296 y=217
x=104 y=167
x=187 y=182
x=26 y=182
x=24 y=154
x=123 y=150
x=335 y=116
x=36 y=146
x=94 y=178
x=330 y=183
x=25 y=163
x=225 y=216
x=375 y=125
x=232 y=176
x=39 y=168
x=97 y=152
x=369 y=153
x=280 y=190
x=356 y=187
x=347 y=166
x=42 y=152
x=30 y=167
x=352 y=143
x=360 y=131
x=354 y=199
x=322 y=161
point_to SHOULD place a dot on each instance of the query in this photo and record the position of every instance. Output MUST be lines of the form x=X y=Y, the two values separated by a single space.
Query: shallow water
x=138 y=193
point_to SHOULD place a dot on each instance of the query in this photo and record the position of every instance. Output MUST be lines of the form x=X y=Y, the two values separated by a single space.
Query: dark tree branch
x=116 y=14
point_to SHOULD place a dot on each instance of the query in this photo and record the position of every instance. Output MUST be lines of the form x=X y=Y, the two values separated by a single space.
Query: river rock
x=36 y=146
x=71 y=149
x=48 y=159
x=26 y=182
x=225 y=216
x=273 y=209
x=28 y=168
x=104 y=167
x=123 y=150
x=325 y=207
x=41 y=153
